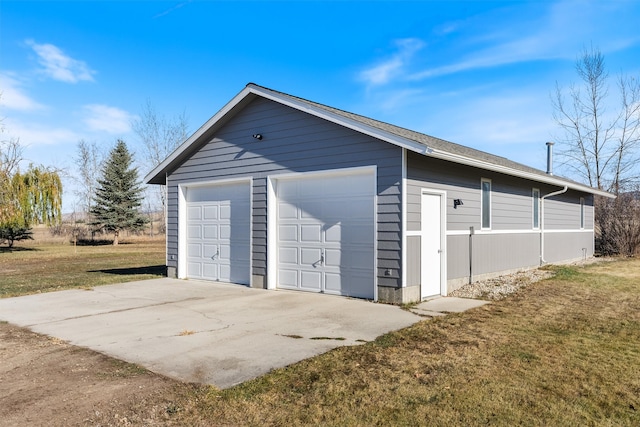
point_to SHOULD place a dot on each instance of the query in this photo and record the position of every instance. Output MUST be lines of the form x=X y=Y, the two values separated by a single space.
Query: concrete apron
x=204 y=332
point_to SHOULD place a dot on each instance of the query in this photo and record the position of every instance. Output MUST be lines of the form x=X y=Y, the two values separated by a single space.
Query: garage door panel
x=311 y=209
x=287 y=211
x=311 y=233
x=194 y=269
x=360 y=284
x=359 y=258
x=194 y=212
x=361 y=209
x=310 y=256
x=333 y=258
x=210 y=213
x=333 y=283
x=311 y=280
x=288 y=255
x=209 y=231
x=225 y=231
x=194 y=232
x=209 y=250
x=325 y=225
x=225 y=212
x=359 y=235
x=288 y=233
x=218 y=232
x=288 y=278
x=333 y=233
x=194 y=250
x=210 y=271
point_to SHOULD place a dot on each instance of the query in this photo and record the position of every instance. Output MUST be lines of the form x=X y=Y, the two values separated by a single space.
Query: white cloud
x=13 y=97
x=33 y=135
x=59 y=66
x=103 y=118
x=559 y=33
x=383 y=72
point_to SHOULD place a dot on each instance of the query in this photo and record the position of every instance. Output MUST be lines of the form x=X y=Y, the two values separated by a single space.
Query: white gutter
x=555 y=193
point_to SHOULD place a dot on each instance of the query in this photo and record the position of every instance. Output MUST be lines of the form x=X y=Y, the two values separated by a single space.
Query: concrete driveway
x=204 y=332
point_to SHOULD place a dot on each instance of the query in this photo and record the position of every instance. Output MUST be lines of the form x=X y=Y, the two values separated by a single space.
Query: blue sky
x=476 y=73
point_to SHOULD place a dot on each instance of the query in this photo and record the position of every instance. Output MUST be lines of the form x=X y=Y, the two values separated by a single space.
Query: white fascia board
x=520 y=174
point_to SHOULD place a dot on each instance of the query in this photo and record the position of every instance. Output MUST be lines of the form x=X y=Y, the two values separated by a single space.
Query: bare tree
x=159 y=136
x=89 y=163
x=601 y=147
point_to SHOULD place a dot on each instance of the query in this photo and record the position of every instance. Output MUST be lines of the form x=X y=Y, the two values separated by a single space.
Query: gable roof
x=405 y=138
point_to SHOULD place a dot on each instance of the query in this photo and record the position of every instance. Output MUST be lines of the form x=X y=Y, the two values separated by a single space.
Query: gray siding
x=413 y=265
x=292 y=142
x=511 y=243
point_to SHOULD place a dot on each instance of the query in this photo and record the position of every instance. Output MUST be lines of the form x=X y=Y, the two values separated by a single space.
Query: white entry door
x=325 y=234
x=218 y=233
x=431 y=245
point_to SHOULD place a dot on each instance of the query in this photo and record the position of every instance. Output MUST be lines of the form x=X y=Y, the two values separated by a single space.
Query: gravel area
x=499 y=287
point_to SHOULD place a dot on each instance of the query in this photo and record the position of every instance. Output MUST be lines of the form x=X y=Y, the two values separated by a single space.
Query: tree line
x=109 y=190
x=600 y=146
x=599 y=142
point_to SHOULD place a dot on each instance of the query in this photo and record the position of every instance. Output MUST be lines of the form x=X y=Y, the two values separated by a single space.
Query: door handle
x=213 y=257
x=320 y=261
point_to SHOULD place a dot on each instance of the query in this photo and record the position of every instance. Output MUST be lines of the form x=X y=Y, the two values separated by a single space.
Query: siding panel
x=293 y=142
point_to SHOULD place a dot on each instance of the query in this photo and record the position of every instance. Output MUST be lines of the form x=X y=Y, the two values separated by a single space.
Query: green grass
x=54 y=266
x=565 y=351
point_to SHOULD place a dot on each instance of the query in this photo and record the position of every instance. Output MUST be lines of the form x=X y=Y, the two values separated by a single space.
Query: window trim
x=535 y=208
x=581 y=213
x=482 y=204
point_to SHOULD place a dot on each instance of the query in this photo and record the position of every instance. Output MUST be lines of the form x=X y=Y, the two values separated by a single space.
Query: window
x=485 y=204
x=535 y=195
x=581 y=212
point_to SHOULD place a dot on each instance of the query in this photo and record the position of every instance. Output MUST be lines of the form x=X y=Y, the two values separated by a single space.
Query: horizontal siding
x=511 y=198
x=562 y=212
x=512 y=211
x=293 y=142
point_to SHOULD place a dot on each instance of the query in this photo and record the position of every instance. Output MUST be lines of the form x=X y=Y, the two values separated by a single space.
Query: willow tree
x=27 y=199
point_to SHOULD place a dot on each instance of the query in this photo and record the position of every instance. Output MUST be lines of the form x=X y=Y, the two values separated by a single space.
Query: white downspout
x=555 y=193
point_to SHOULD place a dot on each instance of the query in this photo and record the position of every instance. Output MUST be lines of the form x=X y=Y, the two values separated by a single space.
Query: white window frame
x=535 y=208
x=482 y=204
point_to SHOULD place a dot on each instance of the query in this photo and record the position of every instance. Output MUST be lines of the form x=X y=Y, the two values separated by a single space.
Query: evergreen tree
x=118 y=195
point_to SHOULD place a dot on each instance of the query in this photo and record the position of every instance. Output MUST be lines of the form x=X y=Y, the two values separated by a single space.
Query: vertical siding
x=293 y=141
x=413 y=264
x=568 y=246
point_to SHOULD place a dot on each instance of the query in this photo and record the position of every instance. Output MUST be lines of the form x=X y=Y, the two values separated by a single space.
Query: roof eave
x=547 y=179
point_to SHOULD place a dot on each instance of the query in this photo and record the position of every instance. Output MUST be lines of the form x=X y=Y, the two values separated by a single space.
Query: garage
x=326 y=232
x=218 y=231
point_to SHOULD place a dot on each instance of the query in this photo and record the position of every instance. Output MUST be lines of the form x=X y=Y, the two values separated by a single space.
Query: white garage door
x=326 y=234
x=218 y=233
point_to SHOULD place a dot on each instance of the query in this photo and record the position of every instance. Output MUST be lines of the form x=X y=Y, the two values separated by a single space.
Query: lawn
x=563 y=351
x=33 y=267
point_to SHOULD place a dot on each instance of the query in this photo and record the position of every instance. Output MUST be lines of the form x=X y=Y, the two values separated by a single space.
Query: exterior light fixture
x=456 y=203
x=258 y=136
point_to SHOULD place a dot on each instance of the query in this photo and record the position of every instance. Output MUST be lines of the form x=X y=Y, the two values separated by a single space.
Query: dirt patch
x=45 y=381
